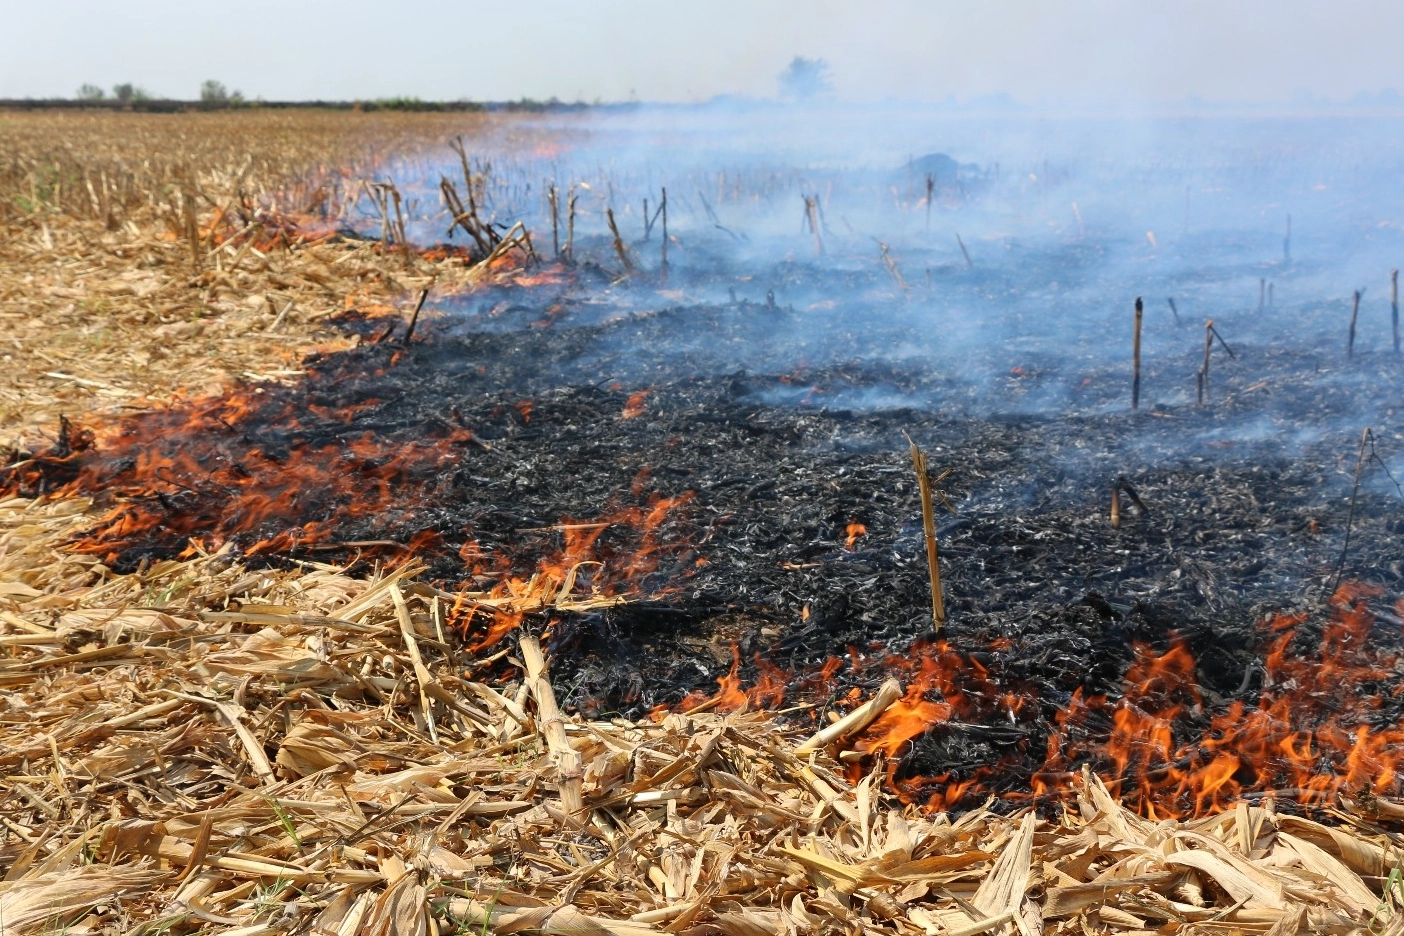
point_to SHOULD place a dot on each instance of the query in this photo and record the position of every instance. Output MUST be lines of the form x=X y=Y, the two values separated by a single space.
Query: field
x=287 y=724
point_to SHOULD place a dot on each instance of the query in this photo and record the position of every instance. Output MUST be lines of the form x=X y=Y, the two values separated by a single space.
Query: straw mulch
x=205 y=748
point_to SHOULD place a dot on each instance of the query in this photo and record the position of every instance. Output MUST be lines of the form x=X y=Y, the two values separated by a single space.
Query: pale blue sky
x=1090 y=51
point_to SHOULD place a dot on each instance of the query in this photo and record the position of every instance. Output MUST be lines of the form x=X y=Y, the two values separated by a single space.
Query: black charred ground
x=1247 y=498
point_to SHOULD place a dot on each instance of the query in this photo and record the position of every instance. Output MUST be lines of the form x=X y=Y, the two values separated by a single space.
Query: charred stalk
x=930 y=197
x=663 y=261
x=553 y=196
x=811 y=216
x=1222 y=343
x=570 y=226
x=1394 y=305
x=1354 y=314
x=1204 y=370
x=1136 y=359
x=1131 y=492
x=414 y=318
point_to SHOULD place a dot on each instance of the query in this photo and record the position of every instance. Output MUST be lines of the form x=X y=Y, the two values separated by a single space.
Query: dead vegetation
x=150 y=255
x=201 y=747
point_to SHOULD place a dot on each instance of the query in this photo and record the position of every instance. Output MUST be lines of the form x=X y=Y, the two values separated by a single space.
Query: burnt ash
x=1044 y=597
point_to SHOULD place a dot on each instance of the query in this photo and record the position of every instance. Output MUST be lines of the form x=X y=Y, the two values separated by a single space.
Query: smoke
x=974 y=262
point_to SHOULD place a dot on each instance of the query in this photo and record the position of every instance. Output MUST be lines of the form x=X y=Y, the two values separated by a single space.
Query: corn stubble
x=202 y=747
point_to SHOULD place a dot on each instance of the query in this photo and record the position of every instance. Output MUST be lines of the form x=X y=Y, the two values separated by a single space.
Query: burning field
x=518 y=529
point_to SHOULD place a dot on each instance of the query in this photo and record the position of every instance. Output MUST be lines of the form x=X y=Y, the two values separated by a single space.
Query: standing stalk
x=928 y=522
x=1136 y=359
x=570 y=226
x=1394 y=305
x=1204 y=371
x=1354 y=314
x=811 y=213
x=553 y=196
x=663 y=265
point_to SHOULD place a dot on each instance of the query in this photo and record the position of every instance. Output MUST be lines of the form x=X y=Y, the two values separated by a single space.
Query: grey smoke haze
x=1066 y=220
x=1089 y=52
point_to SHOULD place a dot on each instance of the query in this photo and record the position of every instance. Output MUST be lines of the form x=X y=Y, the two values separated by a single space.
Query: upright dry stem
x=1204 y=370
x=1394 y=305
x=1354 y=315
x=1136 y=358
x=928 y=522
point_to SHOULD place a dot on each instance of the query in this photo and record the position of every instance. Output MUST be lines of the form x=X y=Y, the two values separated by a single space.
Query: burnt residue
x=472 y=445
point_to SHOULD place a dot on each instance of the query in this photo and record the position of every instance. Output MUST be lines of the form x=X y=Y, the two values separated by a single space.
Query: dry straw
x=210 y=748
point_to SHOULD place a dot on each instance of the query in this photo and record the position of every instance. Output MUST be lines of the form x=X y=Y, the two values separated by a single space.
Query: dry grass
x=204 y=748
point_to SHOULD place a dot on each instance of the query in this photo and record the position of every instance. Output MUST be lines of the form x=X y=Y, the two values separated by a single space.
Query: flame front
x=1317 y=729
x=240 y=471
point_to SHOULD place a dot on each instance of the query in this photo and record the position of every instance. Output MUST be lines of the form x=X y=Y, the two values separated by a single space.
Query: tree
x=805 y=79
x=129 y=92
x=214 y=92
x=91 y=92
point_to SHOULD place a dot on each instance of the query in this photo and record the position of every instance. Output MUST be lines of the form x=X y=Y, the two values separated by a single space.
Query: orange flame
x=1308 y=737
x=584 y=569
x=1314 y=731
x=855 y=530
x=769 y=690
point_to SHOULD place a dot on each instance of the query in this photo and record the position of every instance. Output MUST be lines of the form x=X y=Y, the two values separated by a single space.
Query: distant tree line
x=122 y=93
x=215 y=95
x=803 y=80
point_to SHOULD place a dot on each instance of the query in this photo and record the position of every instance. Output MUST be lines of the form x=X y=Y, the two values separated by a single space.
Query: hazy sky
x=1038 y=52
